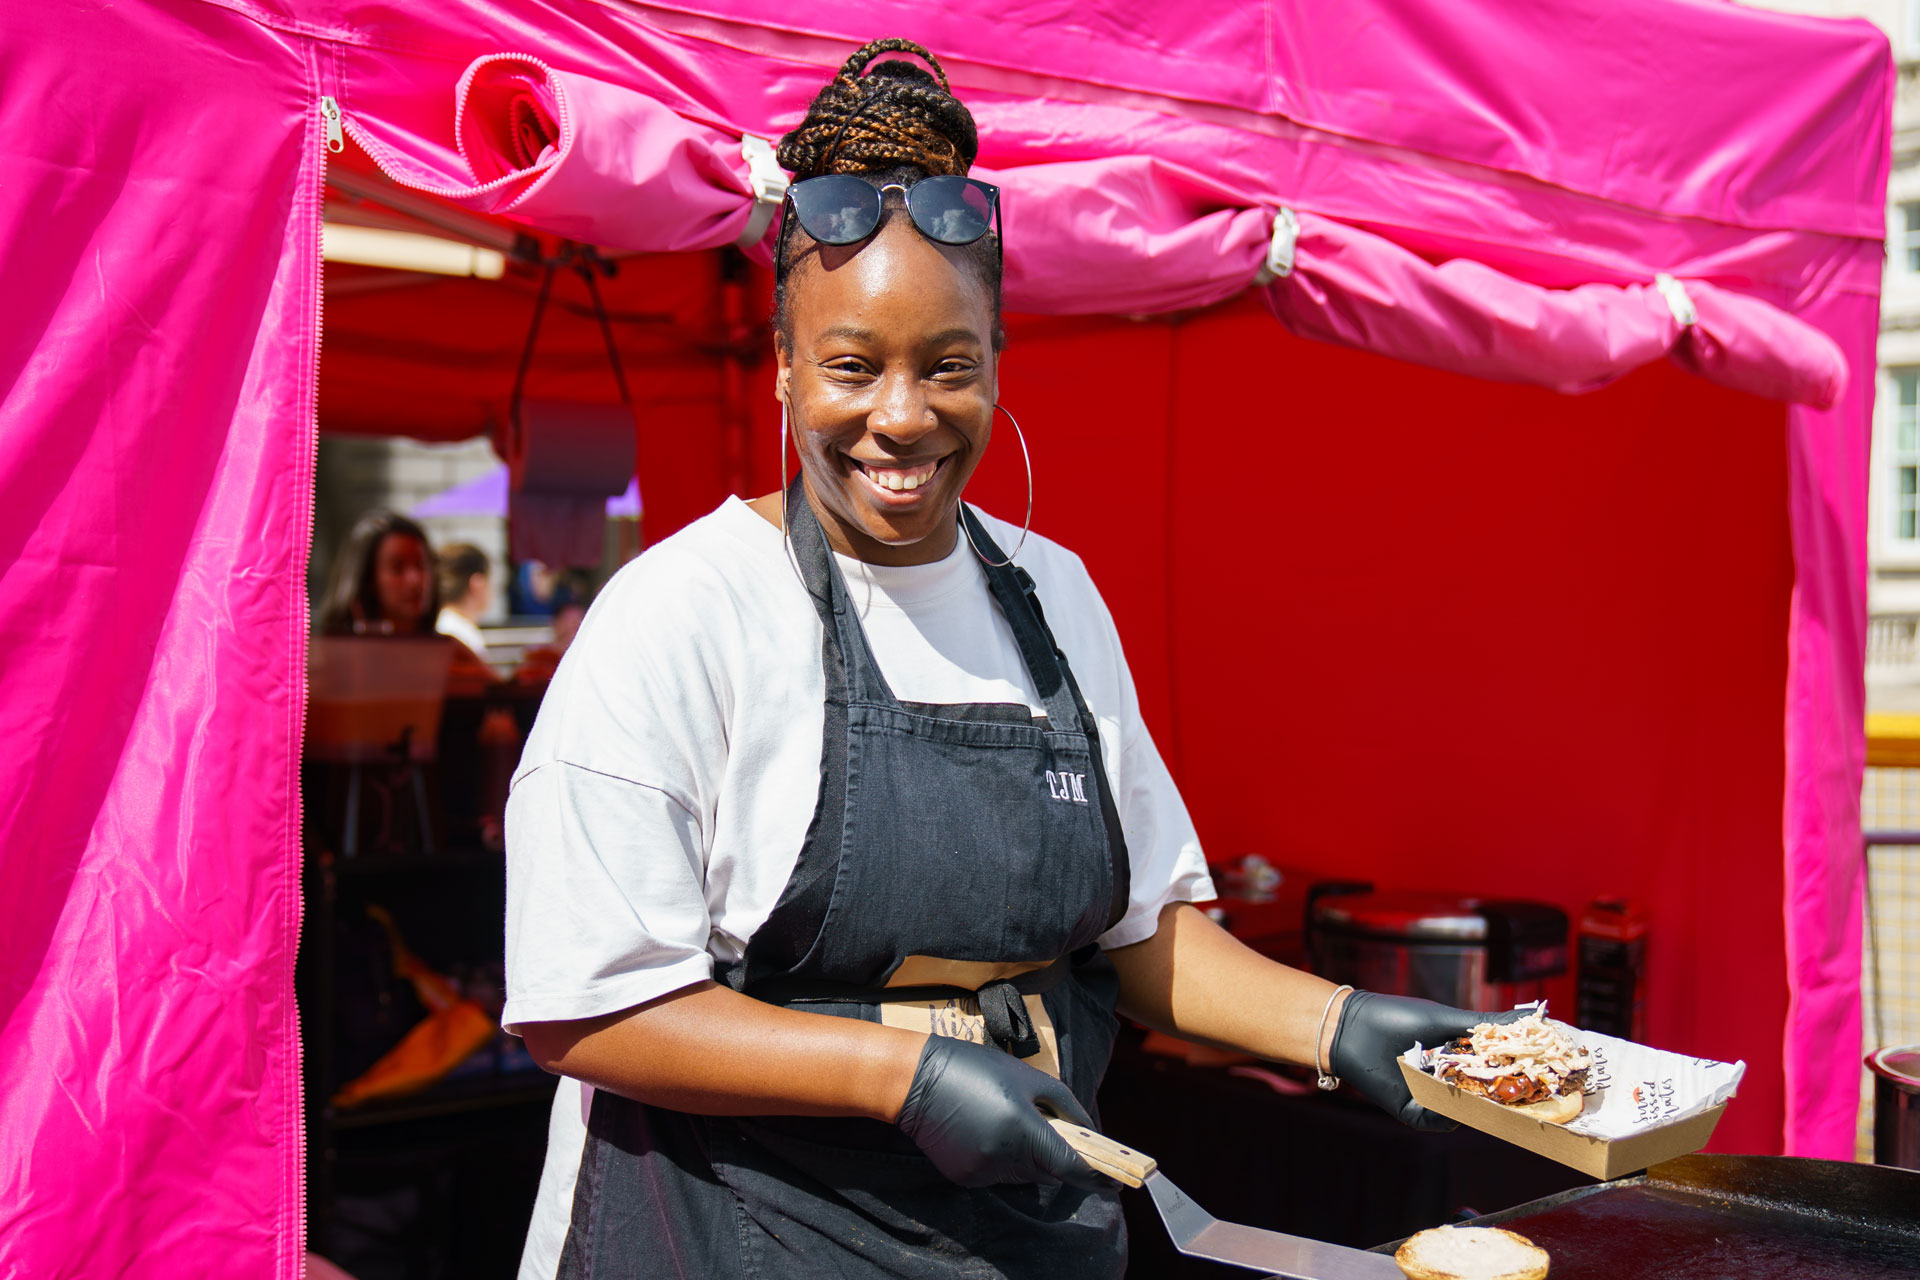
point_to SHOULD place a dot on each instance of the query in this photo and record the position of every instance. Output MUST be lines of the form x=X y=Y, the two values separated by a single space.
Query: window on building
x=1906 y=455
x=1906 y=249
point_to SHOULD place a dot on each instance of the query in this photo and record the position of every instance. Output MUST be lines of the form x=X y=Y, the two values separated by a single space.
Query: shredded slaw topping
x=1531 y=1047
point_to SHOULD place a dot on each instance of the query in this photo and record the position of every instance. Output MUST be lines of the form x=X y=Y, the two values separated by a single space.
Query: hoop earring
x=786 y=537
x=1027 y=458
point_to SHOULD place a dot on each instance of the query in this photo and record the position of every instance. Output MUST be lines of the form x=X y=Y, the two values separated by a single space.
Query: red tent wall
x=1386 y=622
x=1449 y=634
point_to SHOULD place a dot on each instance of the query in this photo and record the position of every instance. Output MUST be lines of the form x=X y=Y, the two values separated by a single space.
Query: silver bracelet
x=1327 y=1080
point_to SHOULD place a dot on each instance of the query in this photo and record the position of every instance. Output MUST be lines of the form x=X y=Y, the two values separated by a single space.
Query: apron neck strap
x=808 y=541
x=1013 y=590
x=1013 y=587
x=852 y=673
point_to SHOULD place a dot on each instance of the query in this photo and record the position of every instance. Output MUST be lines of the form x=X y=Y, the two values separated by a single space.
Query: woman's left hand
x=1373 y=1032
x=1194 y=979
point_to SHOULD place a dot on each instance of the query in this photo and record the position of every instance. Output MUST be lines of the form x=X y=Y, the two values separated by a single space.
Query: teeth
x=898 y=481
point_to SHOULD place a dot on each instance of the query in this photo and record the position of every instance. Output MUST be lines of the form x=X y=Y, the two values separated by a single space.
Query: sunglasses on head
x=840 y=208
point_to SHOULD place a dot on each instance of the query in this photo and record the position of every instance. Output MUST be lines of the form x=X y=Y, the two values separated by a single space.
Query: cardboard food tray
x=1597 y=1157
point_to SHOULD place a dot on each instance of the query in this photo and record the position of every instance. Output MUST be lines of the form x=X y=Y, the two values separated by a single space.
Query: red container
x=1612 y=978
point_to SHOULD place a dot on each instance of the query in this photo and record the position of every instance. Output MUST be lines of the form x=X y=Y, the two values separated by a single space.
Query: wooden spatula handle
x=1122 y=1164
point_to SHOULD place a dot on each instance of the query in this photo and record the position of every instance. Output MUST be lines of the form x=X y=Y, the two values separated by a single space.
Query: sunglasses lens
x=836 y=209
x=950 y=209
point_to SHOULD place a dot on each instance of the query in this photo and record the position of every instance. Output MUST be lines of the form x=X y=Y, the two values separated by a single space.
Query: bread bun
x=1558 y=1109
x=1471 y=1253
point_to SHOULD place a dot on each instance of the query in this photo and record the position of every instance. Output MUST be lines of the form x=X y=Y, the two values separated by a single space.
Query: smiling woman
x=888 y=379
x=887 y=329
x=829 y=858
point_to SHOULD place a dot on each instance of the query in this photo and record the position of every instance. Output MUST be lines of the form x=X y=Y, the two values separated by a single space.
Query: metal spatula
x=1199 y=1234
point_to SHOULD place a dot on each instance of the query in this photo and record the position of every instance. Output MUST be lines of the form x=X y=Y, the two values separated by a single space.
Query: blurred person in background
x=466 y=593
x=383 y=581
x=570 y=608
x=530 y=589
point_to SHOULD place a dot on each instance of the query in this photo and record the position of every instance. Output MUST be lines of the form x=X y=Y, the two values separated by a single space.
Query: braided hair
x=888 y=121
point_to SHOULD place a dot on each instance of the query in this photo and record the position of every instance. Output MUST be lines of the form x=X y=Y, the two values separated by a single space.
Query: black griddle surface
x=1737 y=1217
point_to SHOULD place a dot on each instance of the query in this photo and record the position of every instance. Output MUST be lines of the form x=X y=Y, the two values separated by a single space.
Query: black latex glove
x=978 y=1114
x=1375 y=1030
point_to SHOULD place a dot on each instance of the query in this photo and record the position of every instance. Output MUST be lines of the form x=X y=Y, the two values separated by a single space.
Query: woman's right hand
x=1372 y=1033
x=981 y=1117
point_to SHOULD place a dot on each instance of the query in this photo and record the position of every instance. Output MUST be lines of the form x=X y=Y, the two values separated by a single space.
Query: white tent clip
x=768 y=183
x=1286 y=232
x=1684 y=312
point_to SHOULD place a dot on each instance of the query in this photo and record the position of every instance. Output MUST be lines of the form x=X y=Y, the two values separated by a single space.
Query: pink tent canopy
x=1539 y=192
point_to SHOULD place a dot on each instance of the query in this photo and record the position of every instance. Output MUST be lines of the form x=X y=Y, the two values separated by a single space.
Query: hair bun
x=864 y=56
x=875 y=116
x=901 y=69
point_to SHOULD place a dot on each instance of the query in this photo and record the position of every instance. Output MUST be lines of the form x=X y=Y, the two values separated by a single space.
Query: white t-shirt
x=452 y=622
x=669 y=780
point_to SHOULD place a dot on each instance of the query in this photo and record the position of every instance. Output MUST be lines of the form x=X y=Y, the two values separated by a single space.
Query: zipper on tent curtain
x=334 y=142
x=336 y=139
x=330 y=140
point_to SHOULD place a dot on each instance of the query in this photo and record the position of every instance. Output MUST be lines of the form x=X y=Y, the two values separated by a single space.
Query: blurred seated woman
x=383 y=581
x=466 y=590
x=466 y=593
x=386 y=582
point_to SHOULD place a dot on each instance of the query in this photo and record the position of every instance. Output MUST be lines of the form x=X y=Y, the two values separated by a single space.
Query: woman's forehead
x=896 y=280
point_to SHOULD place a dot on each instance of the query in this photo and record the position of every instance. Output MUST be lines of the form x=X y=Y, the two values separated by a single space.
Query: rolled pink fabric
x=1357 y=289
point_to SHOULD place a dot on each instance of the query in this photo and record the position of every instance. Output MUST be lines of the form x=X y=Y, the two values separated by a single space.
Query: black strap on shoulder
x=1019 y=599
x=793 y=926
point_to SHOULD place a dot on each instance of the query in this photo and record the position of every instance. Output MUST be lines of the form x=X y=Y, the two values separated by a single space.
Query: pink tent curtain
x=156 y=455
x=1491 y=186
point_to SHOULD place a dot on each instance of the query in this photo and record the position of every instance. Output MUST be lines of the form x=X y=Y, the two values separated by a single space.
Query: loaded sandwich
x=1531 y=1065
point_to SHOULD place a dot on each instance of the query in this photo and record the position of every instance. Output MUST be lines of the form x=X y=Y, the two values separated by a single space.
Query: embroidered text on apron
x=949 y=842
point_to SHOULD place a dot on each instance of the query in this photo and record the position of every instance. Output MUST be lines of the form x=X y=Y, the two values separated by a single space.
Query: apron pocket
x=817 y=1208
x=820 y=1208
x=1086 y=1029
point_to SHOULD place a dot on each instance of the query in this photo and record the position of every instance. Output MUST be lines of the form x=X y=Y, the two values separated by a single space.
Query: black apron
x=971 y=832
